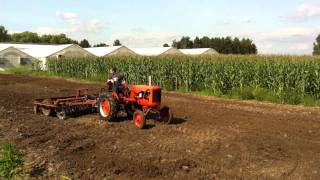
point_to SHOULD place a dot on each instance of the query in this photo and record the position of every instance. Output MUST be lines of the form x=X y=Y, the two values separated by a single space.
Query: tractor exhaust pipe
x=149 y=80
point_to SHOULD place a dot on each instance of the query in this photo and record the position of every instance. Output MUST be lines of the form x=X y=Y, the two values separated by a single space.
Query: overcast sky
x=276 y=26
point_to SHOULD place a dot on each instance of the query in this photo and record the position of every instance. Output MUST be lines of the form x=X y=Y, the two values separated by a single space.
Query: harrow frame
x=68 y=105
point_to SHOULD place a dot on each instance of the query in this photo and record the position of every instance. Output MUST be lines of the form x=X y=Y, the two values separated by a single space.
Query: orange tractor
x=138 y=101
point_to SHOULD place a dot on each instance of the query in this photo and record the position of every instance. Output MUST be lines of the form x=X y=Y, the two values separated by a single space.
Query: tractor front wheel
x=107 y=107
x=166 y=115
x=139 y=119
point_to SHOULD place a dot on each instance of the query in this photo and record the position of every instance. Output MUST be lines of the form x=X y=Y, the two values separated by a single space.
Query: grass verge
x=11 y=162
x=40 y=73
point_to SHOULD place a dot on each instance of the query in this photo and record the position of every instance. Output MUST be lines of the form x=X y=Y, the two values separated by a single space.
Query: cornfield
x=217 y=74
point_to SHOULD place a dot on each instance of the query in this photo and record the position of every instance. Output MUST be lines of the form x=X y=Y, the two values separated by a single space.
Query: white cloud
x=307 y=10
x=49 y=30
x=288 y=33
x=284 y=41
x=303 y=46
x=248 y=21
x=138 y=30
x=304 y=12
x=239 y=21
x=74 y=26
x=77 y=24
x=284 y=48
x=92 y=25
x=225 y=22
x=139 y=37
x=66 y=15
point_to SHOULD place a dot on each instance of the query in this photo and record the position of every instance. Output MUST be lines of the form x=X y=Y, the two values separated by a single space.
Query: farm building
x=199 y=51
x=109 y=51
x=44 y=52
x=156 y=51
x=13 y=57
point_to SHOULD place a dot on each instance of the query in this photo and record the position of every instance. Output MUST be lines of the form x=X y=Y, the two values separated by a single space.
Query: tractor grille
x=157 y=96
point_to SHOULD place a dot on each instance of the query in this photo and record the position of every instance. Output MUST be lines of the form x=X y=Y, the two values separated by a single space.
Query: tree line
x=223 y=45
x=32 y=37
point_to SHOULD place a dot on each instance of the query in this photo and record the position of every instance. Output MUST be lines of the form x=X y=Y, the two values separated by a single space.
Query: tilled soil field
x=210 y=138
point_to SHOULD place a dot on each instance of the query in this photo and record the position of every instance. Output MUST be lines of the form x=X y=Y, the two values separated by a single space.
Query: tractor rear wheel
x=166 y=115
x=139 y=119
x=107 y=107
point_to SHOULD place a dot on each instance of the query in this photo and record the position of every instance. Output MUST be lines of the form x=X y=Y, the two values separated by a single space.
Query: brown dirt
x=210 y=139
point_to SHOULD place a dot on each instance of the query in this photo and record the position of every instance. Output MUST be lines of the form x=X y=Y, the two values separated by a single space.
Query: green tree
x=205 y=42
x=236 y=46
x=25 y=37
x=184 y=43
x=57 y=39
x=166 y=45
x=225 y=45
x=4 y=36
x=197 y=43
x=101 y=45
x=117 y=43
x=216 y=43
x=31 y=37
x=84 y=43
x=248 y=47
x=316 y=46
x=174 y=44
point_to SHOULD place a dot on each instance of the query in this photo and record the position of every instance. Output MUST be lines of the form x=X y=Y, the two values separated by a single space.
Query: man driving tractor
x=118 y=80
